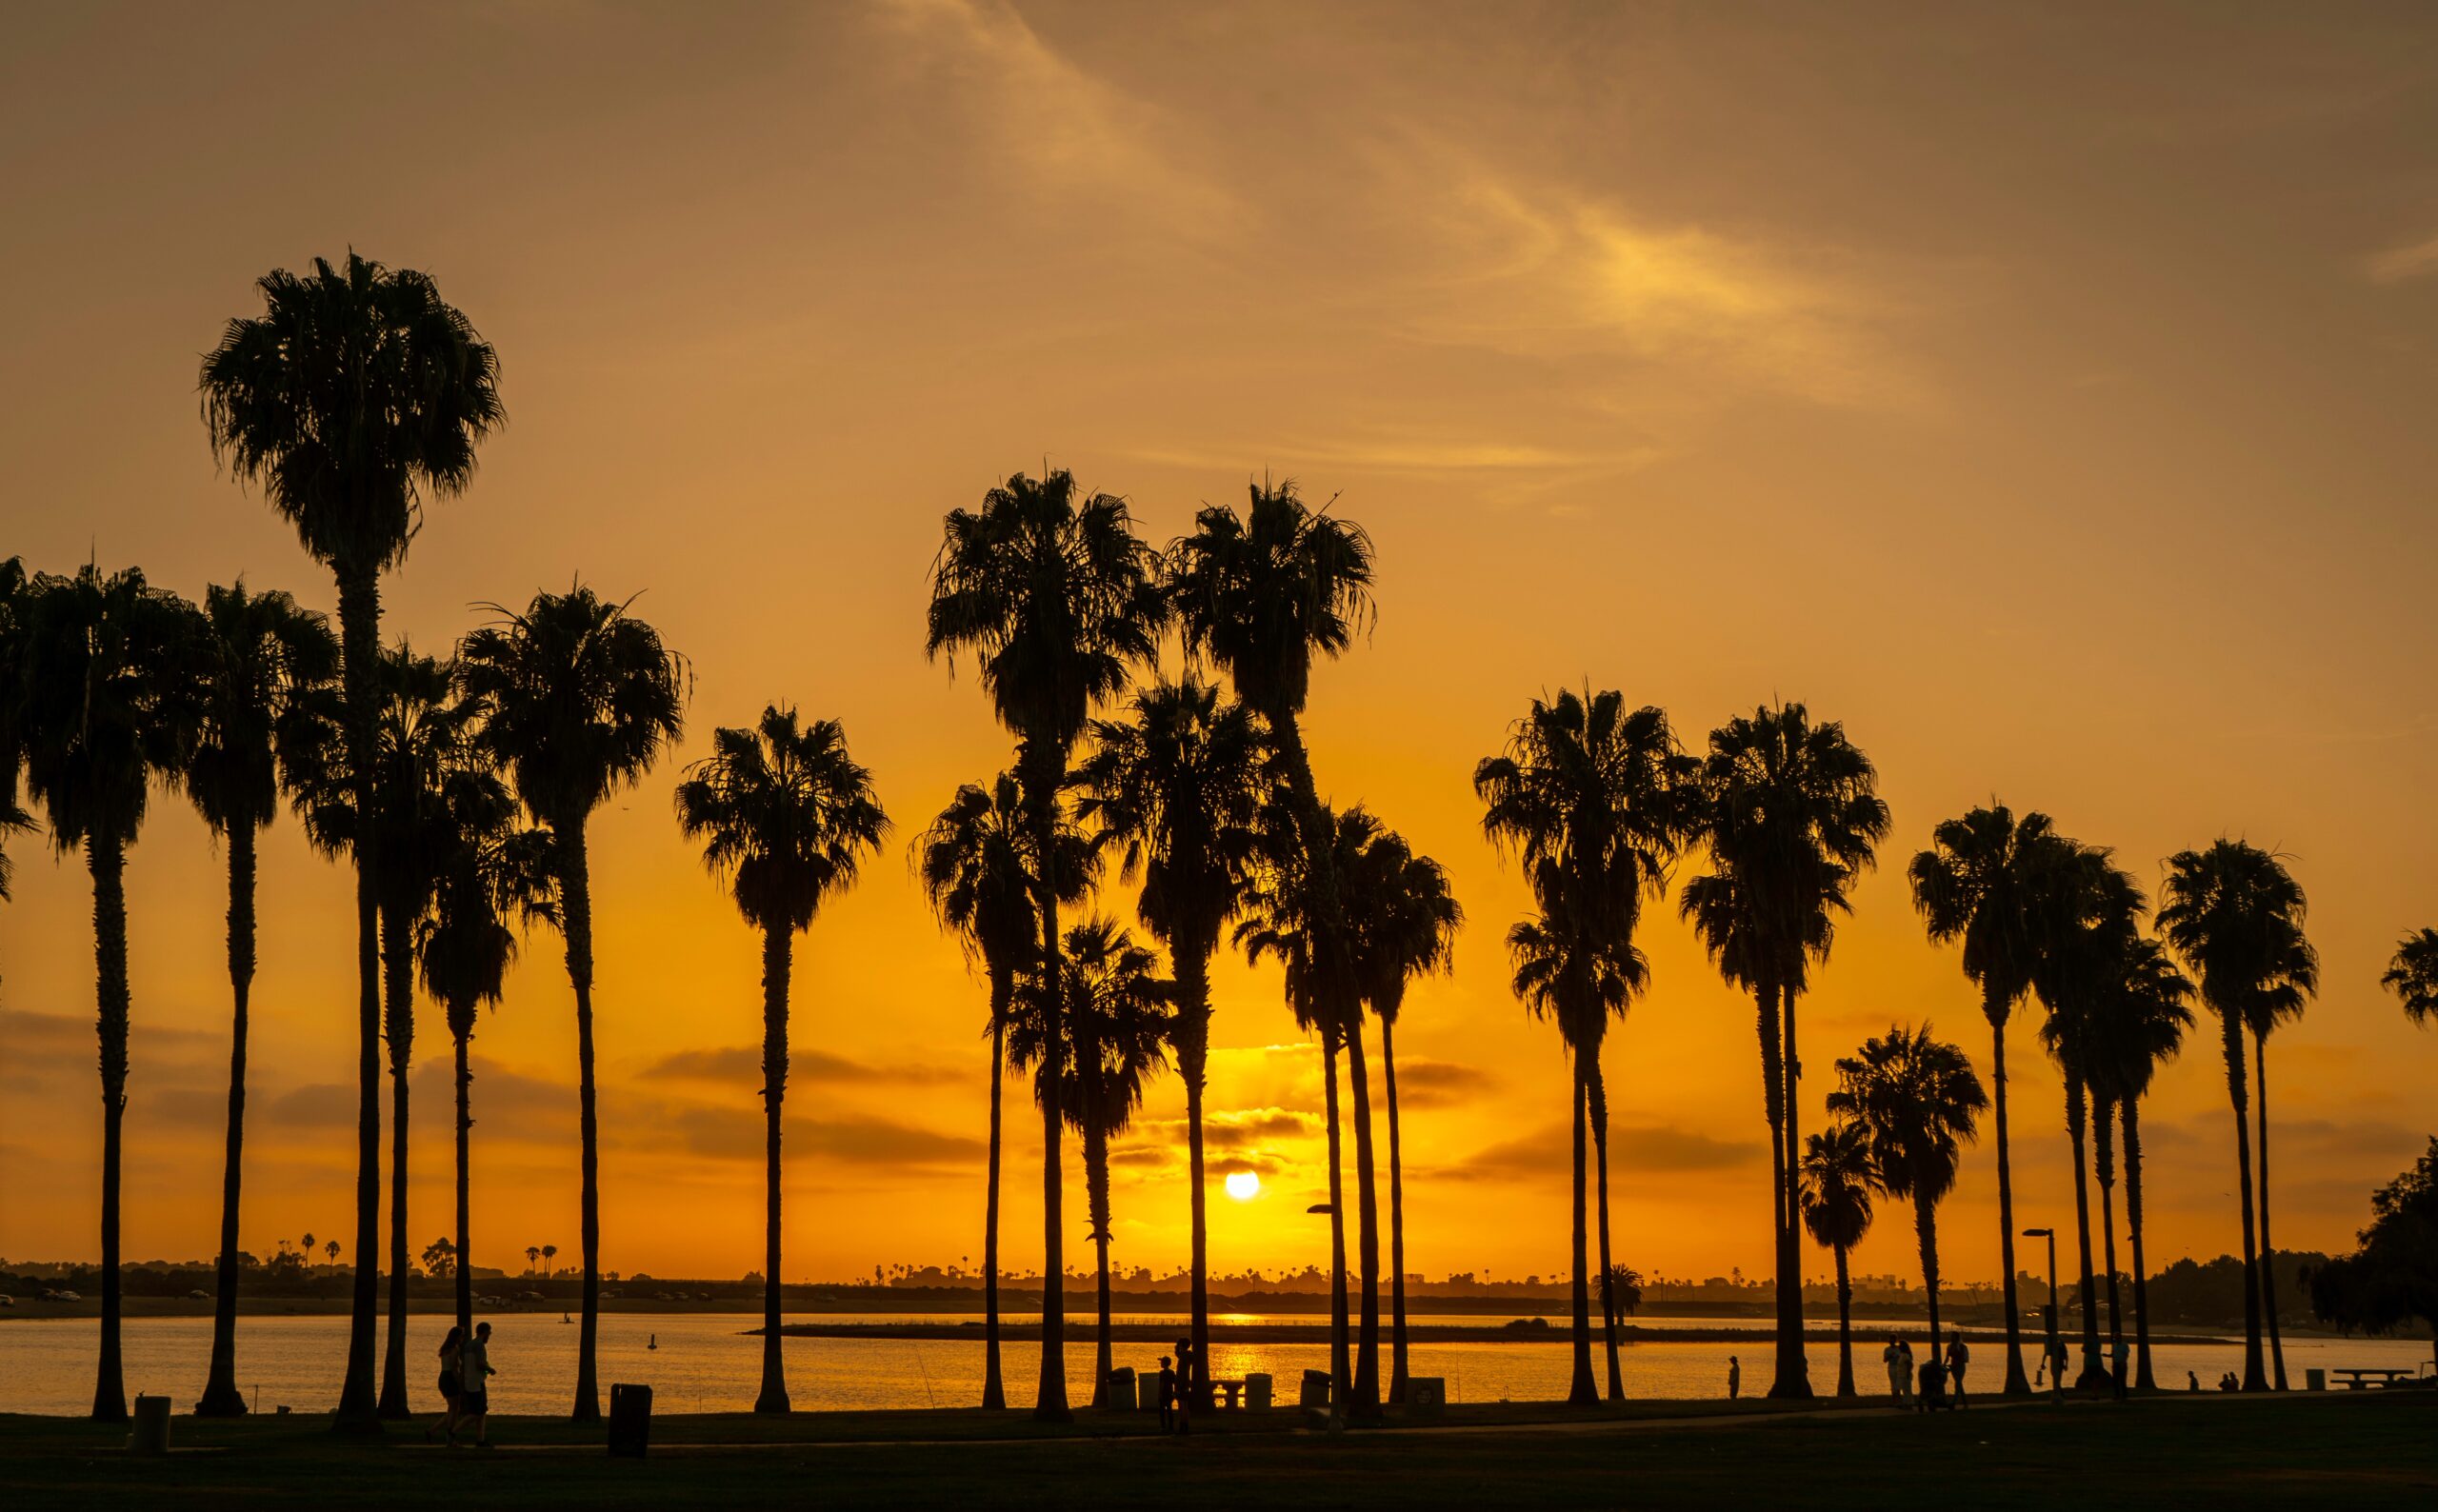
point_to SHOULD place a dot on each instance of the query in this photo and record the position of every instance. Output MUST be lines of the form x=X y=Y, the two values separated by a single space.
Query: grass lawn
x=2379 y=1449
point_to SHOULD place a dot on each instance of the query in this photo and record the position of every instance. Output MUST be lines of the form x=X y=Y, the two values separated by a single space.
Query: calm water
x=706 y=1364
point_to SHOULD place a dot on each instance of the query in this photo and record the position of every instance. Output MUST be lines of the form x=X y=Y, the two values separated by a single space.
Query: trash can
x=2315 y=1380
x=1257 y=1389
x=1118 y=1390
x=1147 y=1391
x=1425 y=1396
x=150 y=1433
x=1316 y=1390
x=630 y=1421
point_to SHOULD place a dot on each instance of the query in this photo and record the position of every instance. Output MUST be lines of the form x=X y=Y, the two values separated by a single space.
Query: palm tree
x=786 y=817
x=2142 y=1027
x=2412 y=976
x=1405 y=923
x=1178 y=788
x=532 y=1258
x=1917 y=1101
x=357 y=394
x=12 y=817
x=978 y=862
x=1595 y=799
x=579 y=698
x=2294 y=967
x=1982 y=883
x=1836 y=1176
x=1056 y=598
x=108 y=698
x=261 y=657
x=2234 y=914
x=1791 y=815
x=1115 y=1039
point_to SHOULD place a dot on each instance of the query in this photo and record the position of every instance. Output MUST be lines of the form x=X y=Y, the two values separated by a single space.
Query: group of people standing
x=465 y=1385
x=1934 y=1376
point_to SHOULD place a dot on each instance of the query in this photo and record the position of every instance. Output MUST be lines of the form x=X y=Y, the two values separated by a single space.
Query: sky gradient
x=2043 y=393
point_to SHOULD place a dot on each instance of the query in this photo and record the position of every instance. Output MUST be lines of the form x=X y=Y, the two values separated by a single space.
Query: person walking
x=2121 y=1358
x=1168 y=1396
x=449 y=1390
x=1958 y=1358
x=1734 y=1378
x=473 y=1384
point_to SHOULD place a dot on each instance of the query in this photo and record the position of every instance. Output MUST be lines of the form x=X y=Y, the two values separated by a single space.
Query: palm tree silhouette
x=1056 y=598
x=786 y=818
x=1596 y=800
x=1406 y=921
x=108 y=700
x=978 y=862
x=13 y=818
x=261 y=657
x=2235 y=915
x=532 y=1258
x=1836 y=1175
x=1790 y=814
x=579 y=698
x=331 y=1249
x=2412 y=976
x=1917 y=1101
x=1178 y=789
x=2141 y=1027
x=1116 y=1038
x=2295 y=968
x=549 y=1253
x=357 y=393
x=1983 y=883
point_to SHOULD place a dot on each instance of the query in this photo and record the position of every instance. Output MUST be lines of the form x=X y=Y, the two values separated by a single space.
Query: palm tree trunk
x=360 y=651
x=465 y=1183
x=398 y=972
x=1049 y=1403
x=1397 y=1222
x=1790 y=1350
x=1096 y=1194
x=1789 y=1378
x=2142 y=1377
x=106 y=860
x=2267 y=1247
x=1845 y=1328
x=777 y=956
x=1583 y=1392
x=575 y=892
x=1926 y=1234
x=2018 y=1384
x=2104 y=1147
x=1365 y=1401
x=221 y=1398
x=2230 y=1031
x=1002 y=991
x=1193 y=1062
x=2092 y=1376
x=1598 y=1090
x=1341 y=1366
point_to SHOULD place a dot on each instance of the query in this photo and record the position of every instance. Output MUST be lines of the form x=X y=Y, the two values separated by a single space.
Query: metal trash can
x=1316 y=1390
x=2315 y=1379
x=1257 y=1390
x=1118 y=1390
x=1425 y=1396
x=1147 y=1391
x=630 y=1421
x=150 y=1433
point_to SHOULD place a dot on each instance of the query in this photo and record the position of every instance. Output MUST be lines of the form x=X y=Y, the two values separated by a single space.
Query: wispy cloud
x=2400 y=265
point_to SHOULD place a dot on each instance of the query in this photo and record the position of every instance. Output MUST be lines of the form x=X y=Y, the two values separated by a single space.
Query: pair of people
x=465 y=1385
x=1899 y=1358
x=1176 y=1390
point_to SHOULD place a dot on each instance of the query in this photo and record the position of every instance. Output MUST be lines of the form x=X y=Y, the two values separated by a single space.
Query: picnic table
x=2357 y=1377
x=1234 y=1391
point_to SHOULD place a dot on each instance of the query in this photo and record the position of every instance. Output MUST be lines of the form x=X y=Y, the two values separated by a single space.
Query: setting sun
x=1244 y=1185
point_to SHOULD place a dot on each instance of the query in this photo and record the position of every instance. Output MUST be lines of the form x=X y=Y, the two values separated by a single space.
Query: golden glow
x=1244 y=1185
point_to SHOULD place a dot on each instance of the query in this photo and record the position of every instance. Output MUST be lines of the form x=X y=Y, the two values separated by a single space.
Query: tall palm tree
x=1791 y=816
x=1405 y=923
x=1055 y=598
x=357 y=393
x=2295 y=970
x=108 y=700
x=1596 y=800
x=1836 y=1175
x=786 y=817
x=1114 y=1040
x=261 y=657
x=13 y=817
x=1178 y=789
x=2233 y=912
x=1982 y=883
x=2412 y=976
x=1918 y=1103
x=579 y=699
x=978 y=866
x=2142 y=1027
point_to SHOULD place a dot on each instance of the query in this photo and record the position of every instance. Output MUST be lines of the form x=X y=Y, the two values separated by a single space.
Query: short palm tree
x=1982 y=883
x=579 y=698
x=108 y=700
x=1918 y=1103
x=1790 y=814
x=1178 y=788
x=2234 y=914
x=262 y=658
x=357 y=395
x=1056 y=598
x=2141 y=1027
x=2412 y=976
x=786 y=818
x=1836 y=1177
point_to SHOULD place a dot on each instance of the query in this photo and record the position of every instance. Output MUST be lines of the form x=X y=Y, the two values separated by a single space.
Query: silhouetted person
x=1958 y=1358
x=2123 y=1354
x=1734 y=1378
x=2229 y=1382
x=1899 y=1356
x=449 y=1393
x=1933 y=1395
x=1186 y=1375
x=1168 y=1396
x=474 y=1384
x=2191 y=1381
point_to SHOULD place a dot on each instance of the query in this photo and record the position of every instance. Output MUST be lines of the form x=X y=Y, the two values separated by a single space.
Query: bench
x=2357 y=1377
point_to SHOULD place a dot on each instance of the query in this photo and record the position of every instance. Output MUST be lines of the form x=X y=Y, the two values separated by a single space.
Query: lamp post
x=1337 y=1388
x=2056 y=1352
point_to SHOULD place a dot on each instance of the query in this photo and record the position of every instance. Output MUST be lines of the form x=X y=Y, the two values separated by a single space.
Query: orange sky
x=2045 y=393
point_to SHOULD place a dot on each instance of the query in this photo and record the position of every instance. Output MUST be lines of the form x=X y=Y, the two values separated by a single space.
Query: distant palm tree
x=1836 y=1210
x=2235 y=915
x=108 y=699
x=786 y=817
x=579 y=699
x=1178 y=789
x=1791 y=815
x=356 y=394
x=261 y=658
x=1983 y=883
x=978 y=861
x=1917 y=1101
x=1115 y=1039
x=2142 y=1027
x=1405 y=923
x=549 y=1253
x=331 y=1249
x=2412 y=976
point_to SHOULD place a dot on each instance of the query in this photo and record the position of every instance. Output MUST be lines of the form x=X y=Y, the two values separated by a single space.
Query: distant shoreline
x=1318 y=1332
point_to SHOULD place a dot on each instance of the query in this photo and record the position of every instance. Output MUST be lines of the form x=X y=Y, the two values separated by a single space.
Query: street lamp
x=1337 y=1388
x=2056 y=1351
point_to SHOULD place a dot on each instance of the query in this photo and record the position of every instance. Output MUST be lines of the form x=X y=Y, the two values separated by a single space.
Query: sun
x=1244 y=1185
